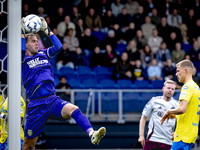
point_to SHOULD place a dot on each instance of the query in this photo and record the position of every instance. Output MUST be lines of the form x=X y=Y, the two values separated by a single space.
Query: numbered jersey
x=155 y=109
x=187 y=123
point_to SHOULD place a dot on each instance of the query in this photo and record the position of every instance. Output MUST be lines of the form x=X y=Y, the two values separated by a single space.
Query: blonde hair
x=170 y=82
x=28 y=35
x=185 y=63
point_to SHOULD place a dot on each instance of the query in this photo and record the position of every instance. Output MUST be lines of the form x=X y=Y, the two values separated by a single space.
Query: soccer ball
x=32 y=23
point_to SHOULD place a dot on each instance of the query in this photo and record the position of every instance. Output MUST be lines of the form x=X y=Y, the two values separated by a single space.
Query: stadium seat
x=107 y=84
x=89 y=84
x=100 y=36
x=157 y=84
x=74 y=83
x=81 y=100
x=131 y=102
x=145 y=98
x=102 y=73
x=176 y=96
x=112 y=102
x=67 y=72
x=84 y=73
x=124 y=84
x=142 y=84
x=186 y=47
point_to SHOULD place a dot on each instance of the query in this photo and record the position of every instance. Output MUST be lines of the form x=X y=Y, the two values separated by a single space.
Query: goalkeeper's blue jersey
x=36 y=69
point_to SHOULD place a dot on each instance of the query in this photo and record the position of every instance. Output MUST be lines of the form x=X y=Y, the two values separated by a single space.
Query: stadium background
x=93 y=83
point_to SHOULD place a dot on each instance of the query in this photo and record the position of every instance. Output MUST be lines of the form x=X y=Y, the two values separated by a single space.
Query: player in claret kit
x=38 y=80
x=159 y=137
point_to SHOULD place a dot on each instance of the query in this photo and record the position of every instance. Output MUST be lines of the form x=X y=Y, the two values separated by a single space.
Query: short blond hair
x=186 y=64
x=28 y=35
x=170 y=82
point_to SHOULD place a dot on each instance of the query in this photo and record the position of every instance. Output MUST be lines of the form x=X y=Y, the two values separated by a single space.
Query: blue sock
x=82 y=120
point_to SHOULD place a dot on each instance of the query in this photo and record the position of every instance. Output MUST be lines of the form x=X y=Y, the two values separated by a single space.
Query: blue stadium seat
x=99 y=35
x=120 y=48
x=124 y=84
x=89 y=84
x=142 y=84
x=67 y=72
x=186 y=47
x=145 y=97
x=131 y=102
x=74 y=83
x=56 y=80
x=104 y=103
x=176 y=95
x=157 y=84
x=107 y=84
x=112 y=102
x=84 y=73
x=102 y=73
x=81 y=100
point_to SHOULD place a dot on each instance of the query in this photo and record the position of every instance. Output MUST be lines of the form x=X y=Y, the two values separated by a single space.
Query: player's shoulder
x=155 y=99
x=191 y=85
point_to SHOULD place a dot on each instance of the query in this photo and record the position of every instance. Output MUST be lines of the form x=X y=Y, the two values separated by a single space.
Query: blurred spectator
x=164 y=29
x=137 y=71
x=154 y=71
x=181 y=7
x=40 y=43
x=88 y=42
x=190 y=19
x=187 y=56
x=196 y=6
x=195 y=32
x=84 y=7
x=75 y=15
x=140 y=40
x=58 y=16
x=139 y=17
x=40 y=3
x=25 y=10
x=154 y=41
x=174 y=19
x=63 y=85
x=155 y=19
x=198 y=39
x=119 y=35
x=195 y=77
x=49 y=23
x=41 y=12
x=80 y=28
x=146 y=56
x=197 y=65
x=64 y=58
x=65 y=25
x=131 y=32
x=148 y=6
x=108 y=21
x=184 y=33
x=122 y=68
x=162 y=55
x=124 y=19
x=169 y=70
x=72 y=41
x=173 y=39
x=133 y=52
x=93 y=21
x=166 y=8
x=109 y=58
x=79 y=59
x=116 y=7
x=178 y=54
x=194 y=51
x=111 y=40
x=132 y=7
x=103 y=7
x=147 y=27
x=96 y=58
x=55 y=32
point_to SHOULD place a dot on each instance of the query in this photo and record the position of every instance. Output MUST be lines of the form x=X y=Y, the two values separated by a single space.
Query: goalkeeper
x=38 y=80
x=3 y=116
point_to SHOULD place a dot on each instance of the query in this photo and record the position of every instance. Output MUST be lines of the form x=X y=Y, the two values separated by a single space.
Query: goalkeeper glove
x=22 y=26
x=45 y=27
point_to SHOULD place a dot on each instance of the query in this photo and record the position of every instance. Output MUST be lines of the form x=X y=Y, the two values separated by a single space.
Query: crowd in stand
x=156 y=34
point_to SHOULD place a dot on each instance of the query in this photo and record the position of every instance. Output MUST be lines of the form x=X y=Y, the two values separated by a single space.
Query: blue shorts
x=3 y=146
x=181 y=146
x=39 y=111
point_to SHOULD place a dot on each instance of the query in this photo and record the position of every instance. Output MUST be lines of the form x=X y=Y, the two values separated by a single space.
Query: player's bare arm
x=141 y=130
x=179 y=110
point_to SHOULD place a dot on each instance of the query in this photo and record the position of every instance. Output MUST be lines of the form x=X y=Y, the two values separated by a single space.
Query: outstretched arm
x=141 y=130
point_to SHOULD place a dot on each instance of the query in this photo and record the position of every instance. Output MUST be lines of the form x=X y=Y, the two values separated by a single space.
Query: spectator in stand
x=137 y=71
x=194 y=51
x=195 y=77
x=124 y=20
x=165 y=8
x=64 y=58
x=84 y=7
x=40 y=3
x=133 y=52
x=154 y=41
x=108 y=21
x=174 y=19
x=148 y=6
x=169 y=70
x=41 y=12
x=75 y=15
x=49 y=23
x=195 y=32
x=119 y=35
x=63 y=85
x=164 y=29
x=154 y=71
x=132 y=7
x=122 y=68
x=197 y=65
x=103 y=7
x=173 y=39
x=79 y=59
x=146 y=56
x=25 y=11
x=111 y=40
x=55 y=32
x=65 y=25
x=96 y=58
x=147 y=27
x=178 y=54
x=88 y=42
x=187 y=56
x=195 y=4
x=162 y=55
x=184 y=33
x=131 y=32
x=155 y=19
x=116 y=7
x=58 y=16
x=72 y=41
x=80 y=28
x=93 y=21
x=140 y=40
x=109 y=58
x=139 y=17
x=181 y=7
